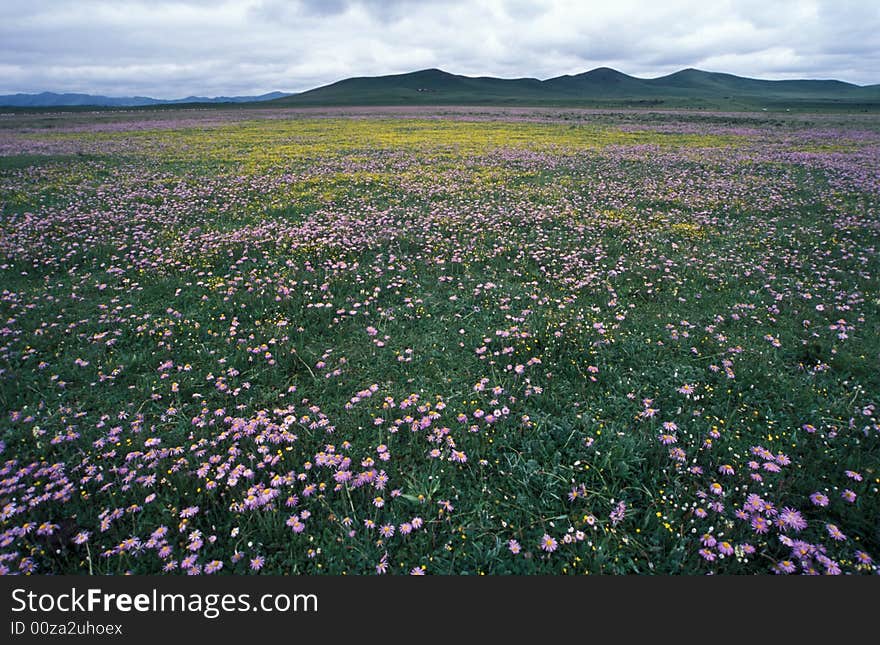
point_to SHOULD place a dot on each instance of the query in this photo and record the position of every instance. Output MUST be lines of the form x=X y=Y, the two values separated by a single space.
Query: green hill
x=601 y=87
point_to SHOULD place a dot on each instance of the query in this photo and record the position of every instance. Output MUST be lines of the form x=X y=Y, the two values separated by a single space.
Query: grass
x=642 y=344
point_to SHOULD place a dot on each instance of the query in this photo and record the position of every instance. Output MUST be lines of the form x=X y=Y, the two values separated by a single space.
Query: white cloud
x=176 y=48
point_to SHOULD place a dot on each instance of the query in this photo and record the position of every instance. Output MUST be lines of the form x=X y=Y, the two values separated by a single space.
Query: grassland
x=439 y=340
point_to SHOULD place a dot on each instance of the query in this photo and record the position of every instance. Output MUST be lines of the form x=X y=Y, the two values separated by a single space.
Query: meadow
x=439 y=341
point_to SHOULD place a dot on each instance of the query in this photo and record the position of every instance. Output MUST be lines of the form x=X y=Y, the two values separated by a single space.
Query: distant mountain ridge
x=687 y=87
x=51 y=99
x=602 y=86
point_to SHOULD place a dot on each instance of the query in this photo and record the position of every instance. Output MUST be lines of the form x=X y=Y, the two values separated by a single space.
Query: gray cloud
x=174 y=48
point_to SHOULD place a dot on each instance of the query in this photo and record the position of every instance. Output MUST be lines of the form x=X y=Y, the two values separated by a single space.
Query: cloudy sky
x=174 y=48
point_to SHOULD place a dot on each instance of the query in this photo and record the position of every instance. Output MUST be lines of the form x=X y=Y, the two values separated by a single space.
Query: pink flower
x=548 y=544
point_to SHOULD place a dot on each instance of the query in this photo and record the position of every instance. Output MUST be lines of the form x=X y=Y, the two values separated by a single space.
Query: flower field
x=439 y=341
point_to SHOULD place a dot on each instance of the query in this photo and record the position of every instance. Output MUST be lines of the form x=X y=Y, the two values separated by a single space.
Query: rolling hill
x=598 y=87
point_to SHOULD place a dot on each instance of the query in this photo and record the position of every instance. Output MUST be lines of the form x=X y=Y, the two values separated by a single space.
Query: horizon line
x=417 y=71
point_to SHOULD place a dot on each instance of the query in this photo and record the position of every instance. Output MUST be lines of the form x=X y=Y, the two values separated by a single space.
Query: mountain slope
x=425 y=86
x=601 y=86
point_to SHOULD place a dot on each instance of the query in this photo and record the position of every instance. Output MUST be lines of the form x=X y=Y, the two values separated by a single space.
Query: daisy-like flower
x=549 y=544
x=835 y=533
x=782 y=459
x=760 y=524
x=616 y=516
x=832 y=568
x=848 y=496
x=819 y=499
x=189 y=561
x=382 y=566
x=47 y=528
x=387 y=530
x=791 y=518
x=514 y=546
x=81 y=538
x=189 y=511
x=257 y=563
x=295 y=524
x=213 y=566
x=725 y=548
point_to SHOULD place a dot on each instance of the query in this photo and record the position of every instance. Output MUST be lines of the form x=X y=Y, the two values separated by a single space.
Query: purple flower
x=725 y=548
x=864 y=558
x=548 y=544
x=387 y=530
x=835 y=533
x=760 y=524
x=618 y=513
x=791 y=518
x=382 y=566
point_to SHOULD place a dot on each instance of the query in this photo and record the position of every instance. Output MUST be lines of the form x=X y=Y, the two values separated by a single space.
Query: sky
x=172 y=49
